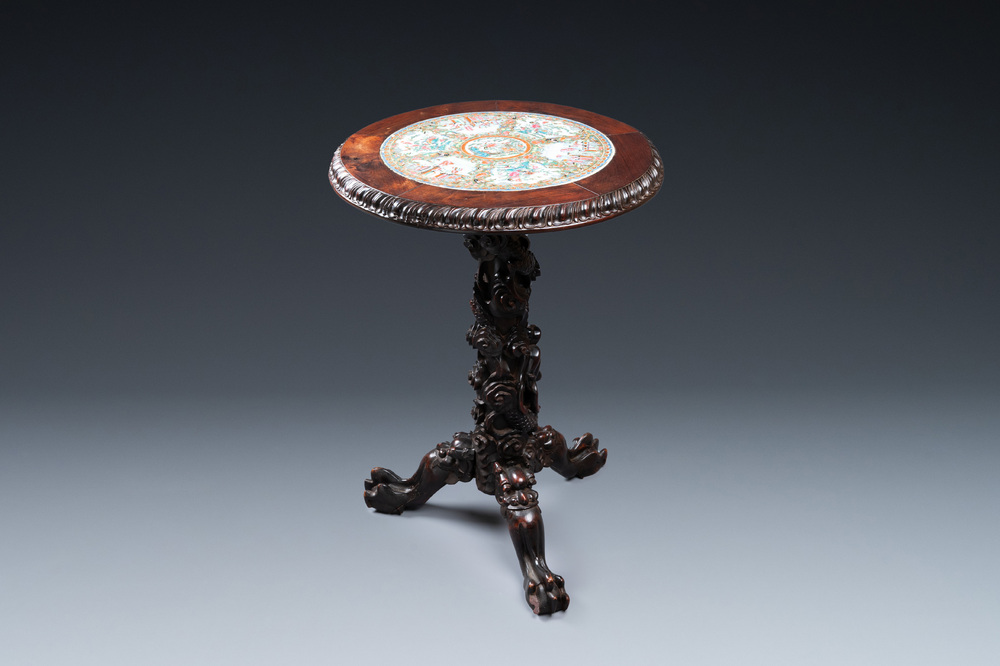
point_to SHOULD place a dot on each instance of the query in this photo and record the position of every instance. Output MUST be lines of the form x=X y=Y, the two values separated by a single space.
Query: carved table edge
x=521 y=219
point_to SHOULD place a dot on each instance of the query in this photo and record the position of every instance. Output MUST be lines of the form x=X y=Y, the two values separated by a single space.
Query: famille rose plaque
x=497 y=150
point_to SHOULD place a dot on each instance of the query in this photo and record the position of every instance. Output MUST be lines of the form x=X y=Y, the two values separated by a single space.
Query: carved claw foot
x=585 y=456
x=582 y=460
x=387 y=492
x=449 y=462
x=545 y=592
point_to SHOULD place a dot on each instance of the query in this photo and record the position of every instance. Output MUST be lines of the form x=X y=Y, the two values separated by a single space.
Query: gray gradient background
x=790 y=353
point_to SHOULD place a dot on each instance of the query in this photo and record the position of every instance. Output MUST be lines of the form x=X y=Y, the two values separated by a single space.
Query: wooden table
x=497 y=171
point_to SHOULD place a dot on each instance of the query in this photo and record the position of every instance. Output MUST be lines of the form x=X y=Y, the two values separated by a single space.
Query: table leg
x=506 y=447
x=447 y=463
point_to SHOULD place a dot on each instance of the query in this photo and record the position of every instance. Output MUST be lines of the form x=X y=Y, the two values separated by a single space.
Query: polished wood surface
x=631 y=178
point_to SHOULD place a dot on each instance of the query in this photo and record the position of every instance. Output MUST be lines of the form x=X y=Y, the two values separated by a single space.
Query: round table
x=497 y=171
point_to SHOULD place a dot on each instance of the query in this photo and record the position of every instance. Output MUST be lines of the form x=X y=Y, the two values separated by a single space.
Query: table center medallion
x=496 y=147
x=497 y=151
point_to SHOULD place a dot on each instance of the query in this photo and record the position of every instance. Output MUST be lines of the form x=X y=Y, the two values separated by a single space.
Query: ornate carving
x=582 y=460
x=447 y=463
x=506 y=447
x=496 y=220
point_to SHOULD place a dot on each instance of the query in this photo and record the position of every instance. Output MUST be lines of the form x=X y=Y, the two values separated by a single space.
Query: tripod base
x=510 y=482
x=506 y=447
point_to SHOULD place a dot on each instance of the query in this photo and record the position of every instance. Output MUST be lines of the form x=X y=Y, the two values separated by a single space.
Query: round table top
x=497 y=167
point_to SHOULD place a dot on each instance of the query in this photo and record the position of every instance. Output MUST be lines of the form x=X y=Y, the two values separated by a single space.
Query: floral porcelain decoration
x=497 y=150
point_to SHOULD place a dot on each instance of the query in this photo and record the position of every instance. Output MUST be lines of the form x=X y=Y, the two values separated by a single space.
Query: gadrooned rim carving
x=522 y=219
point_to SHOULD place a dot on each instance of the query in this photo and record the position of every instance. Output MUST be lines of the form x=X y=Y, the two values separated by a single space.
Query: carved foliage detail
x=456 y=458
x=508 y=359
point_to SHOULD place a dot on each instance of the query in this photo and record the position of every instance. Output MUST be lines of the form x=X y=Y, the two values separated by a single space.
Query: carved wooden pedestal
x=495 y=171
x=506 y=447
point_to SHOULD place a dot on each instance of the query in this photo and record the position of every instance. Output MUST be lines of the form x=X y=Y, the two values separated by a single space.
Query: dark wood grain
x=600 y=123
x=549 y=195
x=357 y=153
x=633 y=155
